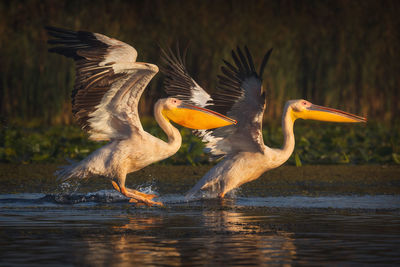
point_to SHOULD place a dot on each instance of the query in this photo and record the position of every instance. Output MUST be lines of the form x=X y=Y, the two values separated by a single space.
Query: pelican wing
x=240 y=95
x=178 y=82
x=108 y=84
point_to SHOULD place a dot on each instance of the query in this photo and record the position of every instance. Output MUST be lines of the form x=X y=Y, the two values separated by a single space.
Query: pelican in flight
x=108 y=85
x=241 y=96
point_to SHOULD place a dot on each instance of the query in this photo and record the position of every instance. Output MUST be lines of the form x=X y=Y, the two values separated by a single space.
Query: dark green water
x=102 y=229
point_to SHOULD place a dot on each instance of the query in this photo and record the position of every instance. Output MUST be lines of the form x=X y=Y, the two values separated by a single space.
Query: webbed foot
x=136 y=197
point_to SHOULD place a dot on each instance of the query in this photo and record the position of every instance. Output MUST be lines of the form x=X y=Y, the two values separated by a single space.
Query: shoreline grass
x=316 y=143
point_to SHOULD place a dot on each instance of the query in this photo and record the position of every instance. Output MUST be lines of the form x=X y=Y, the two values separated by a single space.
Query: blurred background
x=342 y=54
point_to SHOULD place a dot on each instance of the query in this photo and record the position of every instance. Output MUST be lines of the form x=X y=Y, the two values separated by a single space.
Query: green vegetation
x=316 y=143
x=343 y=54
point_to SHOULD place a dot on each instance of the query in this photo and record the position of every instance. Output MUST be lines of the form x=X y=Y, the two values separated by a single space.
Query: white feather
x=199 y=96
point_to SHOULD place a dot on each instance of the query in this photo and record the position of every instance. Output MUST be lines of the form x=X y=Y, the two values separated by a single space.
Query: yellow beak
x=194 y=117
x=320 y=113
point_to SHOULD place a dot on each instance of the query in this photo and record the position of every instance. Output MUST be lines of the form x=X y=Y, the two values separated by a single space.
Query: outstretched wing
x=178 y=82
x=108 y=83
x=240 y=95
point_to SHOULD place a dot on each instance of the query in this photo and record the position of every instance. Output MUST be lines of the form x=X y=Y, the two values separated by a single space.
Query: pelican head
x=191 y=116
x=303 y=109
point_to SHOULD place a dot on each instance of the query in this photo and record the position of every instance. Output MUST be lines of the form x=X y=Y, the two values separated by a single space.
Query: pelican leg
x=148 y=196
x=116 y=186
x=136 y=196
x=132 y=191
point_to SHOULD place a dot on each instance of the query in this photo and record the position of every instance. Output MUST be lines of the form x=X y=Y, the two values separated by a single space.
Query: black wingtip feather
x=264 y=62
x=60 y=33
x=230 y=66
x=244 y=62
x=185 y=51
x=237 y=62
x=230 y=74
x=177 y=82
x=68 y=42
x=250 y=59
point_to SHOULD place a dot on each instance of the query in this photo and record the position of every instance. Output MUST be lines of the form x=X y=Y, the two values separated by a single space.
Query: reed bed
x=343 y=54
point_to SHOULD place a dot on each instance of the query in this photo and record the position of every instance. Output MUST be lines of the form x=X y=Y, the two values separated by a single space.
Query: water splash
x=67 y=193
x=213 y=193
x=148 y=189
x=102 y=196
x=69 y=187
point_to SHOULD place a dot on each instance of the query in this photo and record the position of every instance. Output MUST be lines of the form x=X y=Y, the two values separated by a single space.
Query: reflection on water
x=209 y=237
x=41 y=231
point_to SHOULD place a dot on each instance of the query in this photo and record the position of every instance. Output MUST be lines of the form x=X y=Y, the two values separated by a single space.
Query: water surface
x=102 y=228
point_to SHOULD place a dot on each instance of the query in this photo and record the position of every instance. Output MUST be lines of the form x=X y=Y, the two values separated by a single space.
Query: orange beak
x=320 y=113
x=194 y=117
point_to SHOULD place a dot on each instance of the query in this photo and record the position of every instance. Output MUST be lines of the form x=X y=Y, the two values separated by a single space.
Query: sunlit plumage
x=108 y=85
x=241 y=96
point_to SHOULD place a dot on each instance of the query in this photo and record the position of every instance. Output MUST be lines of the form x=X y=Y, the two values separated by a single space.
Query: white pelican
x=108 y=86
x=241 y=96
